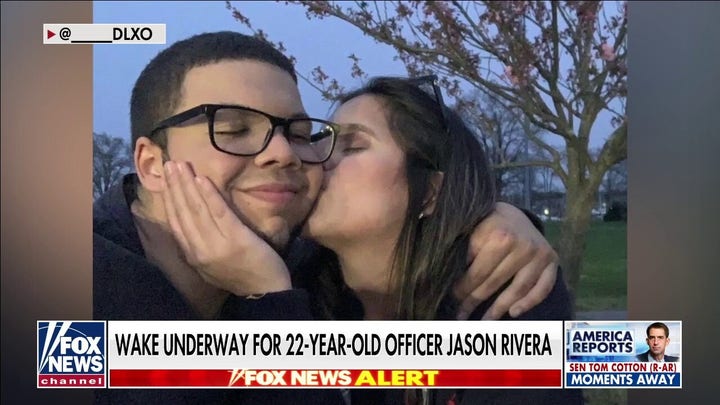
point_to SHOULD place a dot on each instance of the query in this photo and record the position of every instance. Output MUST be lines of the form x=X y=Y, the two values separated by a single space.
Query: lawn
x=603 y=284
x=603 y=281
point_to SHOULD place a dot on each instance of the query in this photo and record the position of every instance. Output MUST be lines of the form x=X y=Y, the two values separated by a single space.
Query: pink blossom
x=519 y=7
x=493 y=16
x=509 y=74
x=607 y=52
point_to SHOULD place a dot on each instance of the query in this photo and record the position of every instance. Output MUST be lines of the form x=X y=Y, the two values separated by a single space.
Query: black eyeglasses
x=243 y=131
x=431 y=81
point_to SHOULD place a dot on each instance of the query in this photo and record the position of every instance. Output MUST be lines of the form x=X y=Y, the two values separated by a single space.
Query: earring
x=422 y=214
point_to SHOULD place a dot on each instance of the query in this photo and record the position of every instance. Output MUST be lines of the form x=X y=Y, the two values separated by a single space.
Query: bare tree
x=616 y=178
x=545 y=179
x=563 y=64
x=499 y=129
x=111 y=160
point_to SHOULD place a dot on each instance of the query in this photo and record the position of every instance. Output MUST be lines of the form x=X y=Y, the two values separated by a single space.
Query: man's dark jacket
x=644 y=357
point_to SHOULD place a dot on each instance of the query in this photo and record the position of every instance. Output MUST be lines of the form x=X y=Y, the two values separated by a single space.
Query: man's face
x=271 y=192
x=657 y=341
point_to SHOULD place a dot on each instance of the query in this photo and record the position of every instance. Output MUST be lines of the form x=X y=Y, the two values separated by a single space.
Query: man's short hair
x=157 y=91
x=658 y=325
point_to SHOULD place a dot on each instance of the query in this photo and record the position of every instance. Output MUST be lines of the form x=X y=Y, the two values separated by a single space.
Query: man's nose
x=279 y=152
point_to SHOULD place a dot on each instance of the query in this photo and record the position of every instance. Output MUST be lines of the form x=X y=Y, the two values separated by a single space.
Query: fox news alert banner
x=602 y=354
x=248 y=354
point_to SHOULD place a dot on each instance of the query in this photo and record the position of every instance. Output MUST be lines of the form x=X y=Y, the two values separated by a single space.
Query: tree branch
x=614 y=150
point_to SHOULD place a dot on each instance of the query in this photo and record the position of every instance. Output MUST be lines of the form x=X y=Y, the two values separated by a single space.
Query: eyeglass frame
x=209 y=111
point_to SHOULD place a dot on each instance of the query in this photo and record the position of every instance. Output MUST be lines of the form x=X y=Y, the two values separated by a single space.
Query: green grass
x=603 y=279
x=603 y=284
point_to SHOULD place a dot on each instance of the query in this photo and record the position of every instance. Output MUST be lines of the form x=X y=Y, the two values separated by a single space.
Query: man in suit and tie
x=658 y=337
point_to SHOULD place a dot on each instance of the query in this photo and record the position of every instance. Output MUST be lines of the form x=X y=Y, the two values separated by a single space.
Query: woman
x=403 y=191
x=406 y=185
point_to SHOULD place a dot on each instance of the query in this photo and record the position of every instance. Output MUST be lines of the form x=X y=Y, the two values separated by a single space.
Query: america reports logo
x=71 y=354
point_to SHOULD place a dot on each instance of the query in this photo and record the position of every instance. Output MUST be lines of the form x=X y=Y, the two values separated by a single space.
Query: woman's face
x=364 y=194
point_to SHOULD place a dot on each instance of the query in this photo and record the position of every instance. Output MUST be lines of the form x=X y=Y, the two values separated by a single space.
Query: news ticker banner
x=622 y=354
x=65 y=34
x=249 y=354
x=368 y=354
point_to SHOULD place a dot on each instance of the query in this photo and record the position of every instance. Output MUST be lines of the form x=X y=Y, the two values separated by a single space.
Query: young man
x=180 y=106
x=658 y=337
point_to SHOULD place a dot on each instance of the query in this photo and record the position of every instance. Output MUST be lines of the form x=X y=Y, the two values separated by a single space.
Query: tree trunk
x=499 y=184
x=578 y=206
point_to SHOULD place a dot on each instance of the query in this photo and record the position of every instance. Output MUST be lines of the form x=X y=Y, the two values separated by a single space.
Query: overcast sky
x=325 y=42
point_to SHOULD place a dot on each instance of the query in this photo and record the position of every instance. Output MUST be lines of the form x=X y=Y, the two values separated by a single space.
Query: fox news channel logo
x=71 y=354
x=623 y=354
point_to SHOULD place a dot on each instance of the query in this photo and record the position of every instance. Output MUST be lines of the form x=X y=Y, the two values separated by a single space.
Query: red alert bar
x=336 y=378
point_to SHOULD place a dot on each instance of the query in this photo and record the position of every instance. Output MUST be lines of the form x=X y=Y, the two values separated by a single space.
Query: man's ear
x=436 y=180
x=148 y=158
